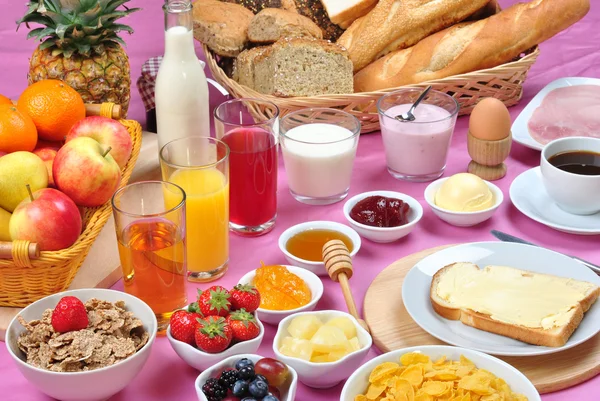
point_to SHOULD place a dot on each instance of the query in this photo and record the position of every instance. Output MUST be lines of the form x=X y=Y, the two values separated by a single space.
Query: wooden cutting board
x=393 y=328
x=101 y=268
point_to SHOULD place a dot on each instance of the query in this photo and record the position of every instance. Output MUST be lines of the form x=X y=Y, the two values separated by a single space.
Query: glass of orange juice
x=150 y=225
x=200 y=165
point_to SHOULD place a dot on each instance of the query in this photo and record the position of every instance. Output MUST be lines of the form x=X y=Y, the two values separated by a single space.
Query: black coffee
x=577 y=162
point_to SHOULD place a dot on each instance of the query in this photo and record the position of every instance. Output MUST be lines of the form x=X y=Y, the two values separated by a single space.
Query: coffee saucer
x=529 y=196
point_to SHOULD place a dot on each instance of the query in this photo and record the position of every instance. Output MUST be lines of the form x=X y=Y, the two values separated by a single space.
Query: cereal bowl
x=91 y=385
x=317 y=268
x=275 y=316
x=385 y=234
x=325 y=374
x=518 y=383
x=202 y=360
x=462 y=219
x=288 y=390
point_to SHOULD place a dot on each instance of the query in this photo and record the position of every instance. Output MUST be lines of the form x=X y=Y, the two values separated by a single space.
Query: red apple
x=85 y=170
x=47 y=217
x=47 y=155
x=107 y=132
x=43 y=144
x=2 y=153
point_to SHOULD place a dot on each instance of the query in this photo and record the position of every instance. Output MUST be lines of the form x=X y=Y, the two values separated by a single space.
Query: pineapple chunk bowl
x=324 y=347
x=313 y=282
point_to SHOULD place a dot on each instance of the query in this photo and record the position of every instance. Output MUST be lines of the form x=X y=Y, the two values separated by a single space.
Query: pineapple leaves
x=61 y=30
x=47 y=44
x=40 y=33
x=121 y=27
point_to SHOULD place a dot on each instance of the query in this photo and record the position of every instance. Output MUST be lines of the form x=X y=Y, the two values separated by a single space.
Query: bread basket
x=504 y=82
x=24 y=279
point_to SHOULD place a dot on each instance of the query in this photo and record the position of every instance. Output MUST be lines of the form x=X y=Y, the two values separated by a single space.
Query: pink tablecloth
x=575 y=52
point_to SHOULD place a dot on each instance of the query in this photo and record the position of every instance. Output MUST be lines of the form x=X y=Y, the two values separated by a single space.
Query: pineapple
x=80 y=46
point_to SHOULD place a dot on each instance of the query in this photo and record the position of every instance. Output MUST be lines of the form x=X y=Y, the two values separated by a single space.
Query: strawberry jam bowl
x=383 y=216
x=201 y=360
x=312 y=282
x=61 y=371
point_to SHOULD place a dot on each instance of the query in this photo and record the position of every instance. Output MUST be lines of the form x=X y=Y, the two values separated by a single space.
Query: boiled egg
x=490 y=120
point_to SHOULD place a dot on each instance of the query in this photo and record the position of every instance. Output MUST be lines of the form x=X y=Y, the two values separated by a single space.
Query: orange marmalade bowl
x=272 y=316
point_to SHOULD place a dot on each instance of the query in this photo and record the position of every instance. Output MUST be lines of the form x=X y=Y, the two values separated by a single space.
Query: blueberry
x=261 y=378
x=240 y=388
x=249 y=399
x=270 y=398
x=258 y=388
x=246 y=373
x=243 y=362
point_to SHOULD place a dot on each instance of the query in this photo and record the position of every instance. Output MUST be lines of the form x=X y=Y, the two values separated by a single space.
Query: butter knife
x=510 y=238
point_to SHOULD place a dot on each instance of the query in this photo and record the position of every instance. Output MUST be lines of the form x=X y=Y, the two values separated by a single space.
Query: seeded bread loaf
x=223 y=27
x=258 y=5
x=296 y=67
x=272 y=24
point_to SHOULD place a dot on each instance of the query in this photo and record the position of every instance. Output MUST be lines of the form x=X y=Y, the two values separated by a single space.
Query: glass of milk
x=318 y=147
x=417 y=150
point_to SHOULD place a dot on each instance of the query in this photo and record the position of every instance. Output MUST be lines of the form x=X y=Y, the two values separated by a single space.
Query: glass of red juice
x=252 y=138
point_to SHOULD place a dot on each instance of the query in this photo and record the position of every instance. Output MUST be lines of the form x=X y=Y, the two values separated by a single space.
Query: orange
x=5 y=100
x=53 y=106
x=17 y=130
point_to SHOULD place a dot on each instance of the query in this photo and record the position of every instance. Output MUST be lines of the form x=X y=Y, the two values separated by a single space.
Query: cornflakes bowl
x=364 y=383
x=91 y=385
x=275 y=316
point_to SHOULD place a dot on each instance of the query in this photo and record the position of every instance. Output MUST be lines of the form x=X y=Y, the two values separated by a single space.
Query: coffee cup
x=572 y=180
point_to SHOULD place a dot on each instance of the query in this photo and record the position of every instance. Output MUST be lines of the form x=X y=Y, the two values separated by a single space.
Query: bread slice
x=346 y=10
x=303 y=67
x=272 y=24
x=243 y=68
x=514 y=292
x=223 y=27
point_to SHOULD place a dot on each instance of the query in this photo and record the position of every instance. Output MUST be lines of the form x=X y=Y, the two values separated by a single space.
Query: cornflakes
x=417 y=378
x=113 y=334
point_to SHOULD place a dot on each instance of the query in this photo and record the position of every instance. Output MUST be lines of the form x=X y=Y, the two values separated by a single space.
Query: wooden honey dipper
x=339 y=267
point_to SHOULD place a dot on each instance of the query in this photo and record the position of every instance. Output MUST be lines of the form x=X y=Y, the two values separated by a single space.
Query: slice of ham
x=568 y=111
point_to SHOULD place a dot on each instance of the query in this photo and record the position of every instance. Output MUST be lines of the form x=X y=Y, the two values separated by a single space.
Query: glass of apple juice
x=151 y=237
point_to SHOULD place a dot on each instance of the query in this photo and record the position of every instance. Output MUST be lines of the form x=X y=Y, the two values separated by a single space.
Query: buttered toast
x=535 y=308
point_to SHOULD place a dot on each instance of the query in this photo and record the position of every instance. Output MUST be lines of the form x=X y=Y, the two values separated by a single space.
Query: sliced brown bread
x=448 y=304
x=243 y=68
x=303 y=67
x=223 y=27
x=272 y=24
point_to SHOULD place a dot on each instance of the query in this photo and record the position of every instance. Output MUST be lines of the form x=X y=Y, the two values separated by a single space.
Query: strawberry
x=183 y=325
x=245 y=296
x=214 y=301
x=69 y=315
x=213 y=334
x=244 y=325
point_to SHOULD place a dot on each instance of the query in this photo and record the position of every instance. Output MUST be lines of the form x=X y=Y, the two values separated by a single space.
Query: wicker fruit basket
x=24 y=280
x=504 y=82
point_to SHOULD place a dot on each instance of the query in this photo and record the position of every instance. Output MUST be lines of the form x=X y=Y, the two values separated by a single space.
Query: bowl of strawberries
x=220 y=324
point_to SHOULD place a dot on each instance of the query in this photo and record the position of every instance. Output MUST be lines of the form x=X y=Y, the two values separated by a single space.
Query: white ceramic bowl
x=313 y=282
x=288 y=389
x=358 y=382
x=316 y=267
x=202 y=360
x=323 y=375
x=385 y=234
x=93 y=385
x=462 y=219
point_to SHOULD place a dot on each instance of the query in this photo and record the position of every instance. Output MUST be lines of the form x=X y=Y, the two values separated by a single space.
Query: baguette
x=397 y=24
x=346 y=10
x=509 y=286
x=474 y=45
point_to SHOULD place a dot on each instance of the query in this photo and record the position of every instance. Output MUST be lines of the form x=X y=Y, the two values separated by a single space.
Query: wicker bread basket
x=504 y=82
x=24 y=280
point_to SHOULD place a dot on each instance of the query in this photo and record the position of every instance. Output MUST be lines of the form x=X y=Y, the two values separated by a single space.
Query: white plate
x=359 y=381
x=415 y=294
x=519 y=128
x=529 y=196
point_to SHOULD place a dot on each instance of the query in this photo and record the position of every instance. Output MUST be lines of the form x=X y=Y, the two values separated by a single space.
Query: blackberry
x=213 y=390
x=228 y=378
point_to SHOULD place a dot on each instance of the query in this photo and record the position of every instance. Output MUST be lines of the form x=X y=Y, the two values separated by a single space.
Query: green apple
x=4 y=220
x=18 y=169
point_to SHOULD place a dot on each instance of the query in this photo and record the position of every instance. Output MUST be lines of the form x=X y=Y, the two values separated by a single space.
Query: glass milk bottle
x=182 y=107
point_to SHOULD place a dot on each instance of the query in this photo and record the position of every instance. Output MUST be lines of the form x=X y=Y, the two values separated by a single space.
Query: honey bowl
x=313 y=282
x=302 y=244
